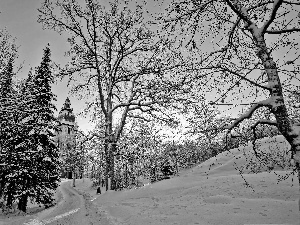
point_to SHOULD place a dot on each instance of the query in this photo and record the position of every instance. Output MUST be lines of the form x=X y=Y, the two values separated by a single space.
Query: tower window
x=69 y=130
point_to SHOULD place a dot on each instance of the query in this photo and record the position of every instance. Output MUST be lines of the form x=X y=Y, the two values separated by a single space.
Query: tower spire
x=66 y=112
x=67 y=104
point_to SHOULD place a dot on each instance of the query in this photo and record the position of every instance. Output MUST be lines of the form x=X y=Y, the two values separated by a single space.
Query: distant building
x=66 y=138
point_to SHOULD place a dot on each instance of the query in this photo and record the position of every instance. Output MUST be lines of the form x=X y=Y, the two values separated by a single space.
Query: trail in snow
x=74 y=209
x=47 y=221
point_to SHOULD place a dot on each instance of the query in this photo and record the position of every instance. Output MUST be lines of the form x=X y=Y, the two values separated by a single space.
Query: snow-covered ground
x=18 y=217
x=211 y=193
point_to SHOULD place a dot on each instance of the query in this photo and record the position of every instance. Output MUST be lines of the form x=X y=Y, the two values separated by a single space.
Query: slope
x=212 y=193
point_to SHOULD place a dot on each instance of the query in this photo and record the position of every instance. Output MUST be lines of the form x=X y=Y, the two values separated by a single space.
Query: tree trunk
x=100 y=179
x=176 y=164
x=2 y=185
x=9 y=200
x=82 y=174
x=22 y=204
x=110 y=147
x=298 y=170
x=290 y=131
x=126 y=173
x=107 y=165
x=277 y=105
x=73 y=178
x=112 y=166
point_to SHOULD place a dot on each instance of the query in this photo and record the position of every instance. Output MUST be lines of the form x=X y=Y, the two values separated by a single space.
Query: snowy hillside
x=274 y=151
x=211 y=193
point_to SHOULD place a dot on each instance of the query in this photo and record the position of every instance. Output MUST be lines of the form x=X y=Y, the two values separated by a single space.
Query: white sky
x=20 y=19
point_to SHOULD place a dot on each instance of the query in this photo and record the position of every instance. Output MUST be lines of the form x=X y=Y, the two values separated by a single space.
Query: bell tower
x=66 y=137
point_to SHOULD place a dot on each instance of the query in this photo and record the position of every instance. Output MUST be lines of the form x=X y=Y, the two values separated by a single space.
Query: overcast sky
x=19 y=17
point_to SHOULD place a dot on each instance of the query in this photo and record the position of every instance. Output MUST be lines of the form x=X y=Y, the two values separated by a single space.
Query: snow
x=66 y=122
x=31 y=132
x=58 y=217
x=211 y=193
x=47 y=159
x=296 y=132
x=248 y=113
x=20 y=145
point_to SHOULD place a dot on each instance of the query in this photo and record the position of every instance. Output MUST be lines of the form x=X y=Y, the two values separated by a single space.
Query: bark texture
x=276 y=104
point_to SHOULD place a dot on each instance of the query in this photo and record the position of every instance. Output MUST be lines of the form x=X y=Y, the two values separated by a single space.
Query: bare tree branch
x=291 y=3
x=138 y=117
x=253 y=127
x=282 y=31
x=239 y=11
x=276 y=6
x=264 y=121
x=249 y=113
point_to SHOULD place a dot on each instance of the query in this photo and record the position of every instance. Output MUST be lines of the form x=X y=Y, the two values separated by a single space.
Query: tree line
x=29 y=156
x=130 y=64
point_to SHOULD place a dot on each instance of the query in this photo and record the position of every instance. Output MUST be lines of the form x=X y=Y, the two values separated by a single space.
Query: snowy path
x=70 y=205
x=75 y=208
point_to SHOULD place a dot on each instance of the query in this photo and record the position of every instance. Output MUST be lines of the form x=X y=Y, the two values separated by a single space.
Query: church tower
x=66 y=137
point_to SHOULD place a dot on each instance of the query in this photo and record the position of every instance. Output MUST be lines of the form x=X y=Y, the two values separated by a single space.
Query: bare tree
x=245 y=38
x=116 y=55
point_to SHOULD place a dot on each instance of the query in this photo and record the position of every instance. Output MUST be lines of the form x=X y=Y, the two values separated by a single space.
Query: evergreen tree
x=6 y=79
x=25 y=148
x=40 y=166
x=8 y=110
x=10 y=128
x=29 y=167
